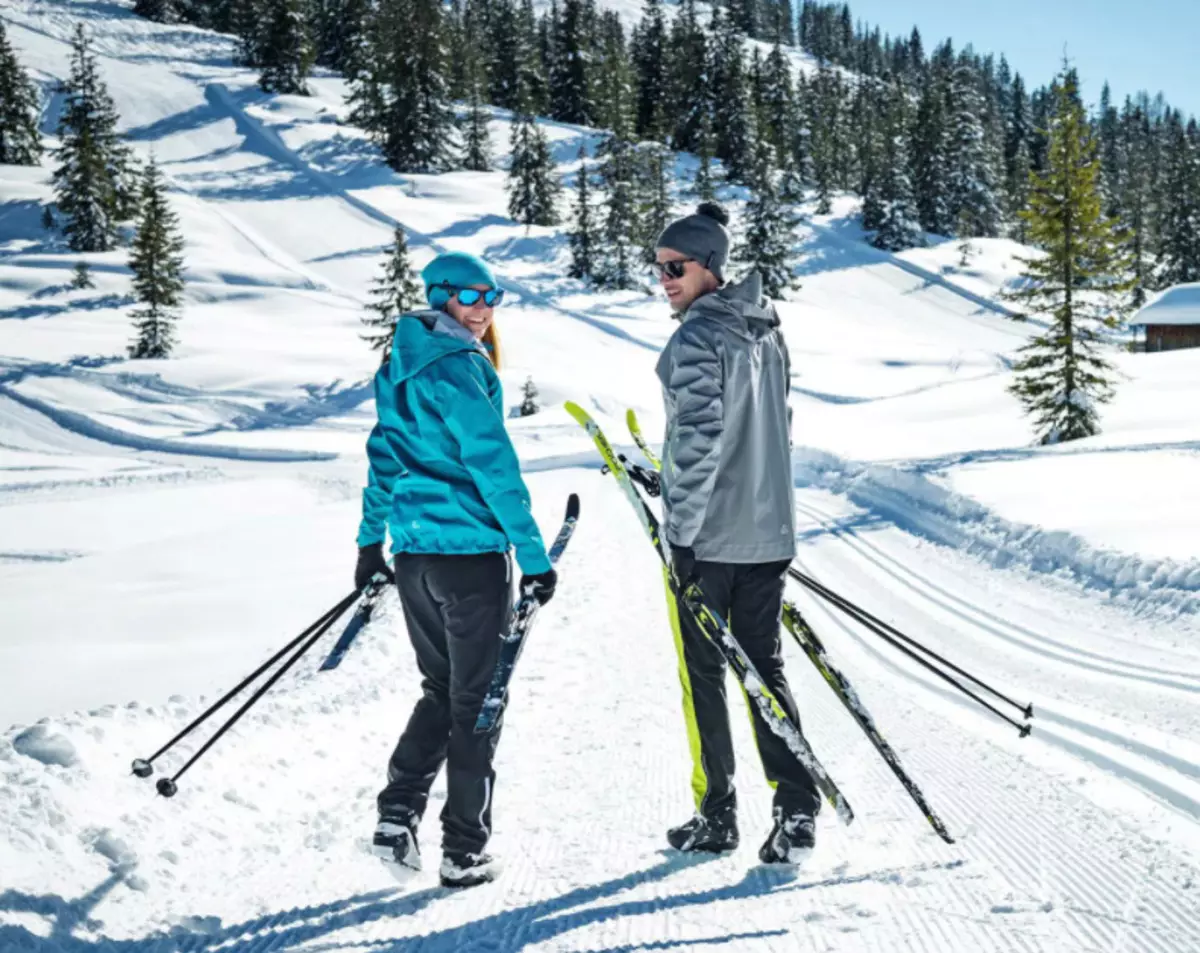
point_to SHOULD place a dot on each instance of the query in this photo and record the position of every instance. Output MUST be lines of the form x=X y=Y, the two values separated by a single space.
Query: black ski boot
x=395 y=843
x=468 y=870
x=791 y=840
x=712 y=834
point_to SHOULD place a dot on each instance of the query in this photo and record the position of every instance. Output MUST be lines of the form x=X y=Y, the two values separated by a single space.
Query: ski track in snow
x=264 y=848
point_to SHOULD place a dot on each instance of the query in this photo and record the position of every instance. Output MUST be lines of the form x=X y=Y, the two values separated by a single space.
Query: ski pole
x=828 y=594
x=167 y=787
x=143 y=767
x=858 y=615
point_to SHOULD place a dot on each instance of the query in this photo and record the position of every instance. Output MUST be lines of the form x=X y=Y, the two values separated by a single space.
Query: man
x=729 y=519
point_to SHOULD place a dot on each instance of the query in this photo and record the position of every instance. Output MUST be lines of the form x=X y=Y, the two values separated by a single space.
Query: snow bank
x=918 y=505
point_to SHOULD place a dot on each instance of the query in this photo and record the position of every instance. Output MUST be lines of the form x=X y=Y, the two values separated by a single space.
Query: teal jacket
x=444 y=477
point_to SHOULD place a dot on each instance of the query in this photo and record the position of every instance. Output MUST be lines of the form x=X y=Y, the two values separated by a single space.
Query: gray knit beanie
x=702 y=236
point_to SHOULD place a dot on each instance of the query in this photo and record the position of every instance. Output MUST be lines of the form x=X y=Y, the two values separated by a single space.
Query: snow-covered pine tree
x=1136 y=200
x=613 y=90
x=703 y=185
x=616 y=265
x=477 y=140
x=533 y=186
x=529 y=399
x=337 y=27
x=160 y=11
x=287 y=54
x=532 y=69
x=156 y=260
x=1080 y=283
x=655 y=204
x=81 y=277
x=734 y=124
x=247 y=18
x=649 y=55
x=93 y=180
x=395 y=292
x=688 y=80
x=930 y=148
x=1017 y=160
x=900 y=225
x=972 y=202
x=779 y=106
x=400 y=95
x=770 y=229
x=583 y=229
x=571 y=73
x=20 y=140
x=1178 y=227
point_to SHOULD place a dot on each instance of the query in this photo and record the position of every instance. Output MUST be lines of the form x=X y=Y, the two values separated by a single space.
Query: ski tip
x=631 y=418
x=573 y=506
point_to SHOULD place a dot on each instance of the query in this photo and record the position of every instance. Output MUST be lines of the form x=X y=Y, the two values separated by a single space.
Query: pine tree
x=395 y=292
x=47 y=218
x=1080 y=282
x=247 y=18
x=703 y=185
x=20 y=139
x=930 y=147
x=571 y=72
x=81 y=277
x=770 y=230
x=287 y=53
x=619 y=251
x=779 y=106
x=160 y=11
x=338 y=27
x=477 y=140
x=734 y=124
x=613 y=90
x=972 y=203
x=688 y=79
x=529 y=399
x=93 y=184
x=583 y=231
x=156 y=260
x=533 y=186
x=1178 y=258
x=400 y=96
x=655 y=205
x=650 y=62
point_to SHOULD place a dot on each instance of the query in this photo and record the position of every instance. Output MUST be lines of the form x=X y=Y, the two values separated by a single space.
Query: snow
x=165 y=526
x=1177 y=305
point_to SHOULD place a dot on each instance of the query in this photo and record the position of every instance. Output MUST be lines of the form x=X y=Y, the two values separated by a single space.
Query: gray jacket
x=727 y=471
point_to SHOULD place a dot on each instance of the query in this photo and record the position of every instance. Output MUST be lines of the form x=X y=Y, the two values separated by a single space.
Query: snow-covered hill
x=165 y=525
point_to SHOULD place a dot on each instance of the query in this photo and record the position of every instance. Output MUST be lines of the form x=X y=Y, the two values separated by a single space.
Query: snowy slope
x=165 y=526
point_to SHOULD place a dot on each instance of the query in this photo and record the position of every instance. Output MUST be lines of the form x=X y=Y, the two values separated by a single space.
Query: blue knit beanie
x=453 y=270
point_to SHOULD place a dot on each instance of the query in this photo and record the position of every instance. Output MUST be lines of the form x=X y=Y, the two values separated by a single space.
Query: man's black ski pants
x=456 y=608
x=750 y=599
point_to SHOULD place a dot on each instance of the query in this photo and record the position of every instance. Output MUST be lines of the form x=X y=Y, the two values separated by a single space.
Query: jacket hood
x=740 y=306
x=424 y=336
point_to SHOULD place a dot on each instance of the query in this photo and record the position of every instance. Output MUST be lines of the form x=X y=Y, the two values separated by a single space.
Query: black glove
x=683 y=561
x=540 y=586
x=370 y=562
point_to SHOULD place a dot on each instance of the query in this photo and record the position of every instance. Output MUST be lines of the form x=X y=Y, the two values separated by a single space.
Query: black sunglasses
x=673 y=269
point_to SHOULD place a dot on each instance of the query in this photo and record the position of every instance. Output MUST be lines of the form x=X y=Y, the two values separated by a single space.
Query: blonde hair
x=491 y=341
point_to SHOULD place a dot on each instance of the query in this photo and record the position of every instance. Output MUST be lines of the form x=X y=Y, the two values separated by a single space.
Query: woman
x=445 y=479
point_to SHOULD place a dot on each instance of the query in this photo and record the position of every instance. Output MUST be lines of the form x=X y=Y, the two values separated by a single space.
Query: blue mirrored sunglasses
x=469 y=297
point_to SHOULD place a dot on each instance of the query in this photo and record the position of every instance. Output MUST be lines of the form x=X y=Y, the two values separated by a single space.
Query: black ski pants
x=750 y=599
x=456 y=607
